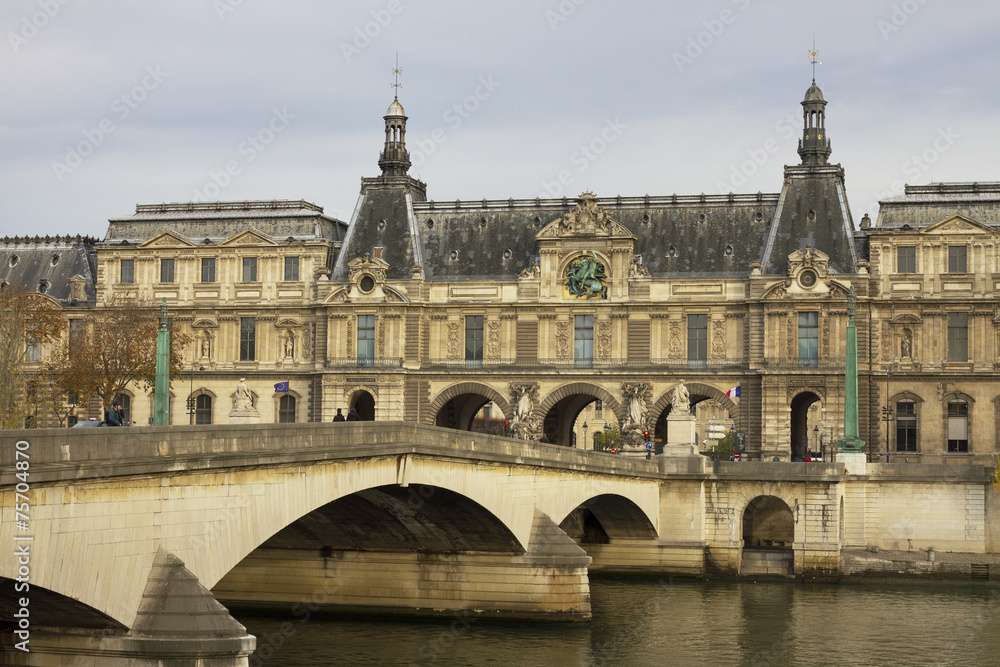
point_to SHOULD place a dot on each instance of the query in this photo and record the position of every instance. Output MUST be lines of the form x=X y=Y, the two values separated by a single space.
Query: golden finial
x=814 y=58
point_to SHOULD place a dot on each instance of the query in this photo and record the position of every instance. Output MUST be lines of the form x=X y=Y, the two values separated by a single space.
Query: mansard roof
x=54 y=260
x=923 y=205
x=217 y=221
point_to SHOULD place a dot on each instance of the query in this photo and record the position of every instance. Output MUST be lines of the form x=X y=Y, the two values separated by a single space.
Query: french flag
x=734 y=392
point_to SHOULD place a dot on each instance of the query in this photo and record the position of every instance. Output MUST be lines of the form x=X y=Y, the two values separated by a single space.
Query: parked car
x=89 y=423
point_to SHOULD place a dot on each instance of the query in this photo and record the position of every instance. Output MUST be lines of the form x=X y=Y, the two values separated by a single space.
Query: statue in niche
x=206 y=347
x=906 y=346
x=586 y=278
x=681 y=399
x=289 y=346
x=243 y=401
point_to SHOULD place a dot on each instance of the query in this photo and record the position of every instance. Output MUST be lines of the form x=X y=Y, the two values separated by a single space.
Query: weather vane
x=814 y=58
x=396 y=71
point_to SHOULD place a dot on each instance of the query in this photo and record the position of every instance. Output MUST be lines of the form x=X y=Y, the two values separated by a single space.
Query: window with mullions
x=166 y=270
x=957 y=259
x=208 y=269
x=291 y=269
x=906 y=426
x=958 y=426
x=808 y=339
x=583 y=341
x=203 y=409
x=906 y=259
x=286 y=410
x=697 y=340
x=598 y=409
x=249 y=269
x=248 y=338
x=128 y=271
x=958 y=337
x=366 y=340
x=474 y=340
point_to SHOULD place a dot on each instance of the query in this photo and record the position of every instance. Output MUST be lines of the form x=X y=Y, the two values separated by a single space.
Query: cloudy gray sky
x=111 y=103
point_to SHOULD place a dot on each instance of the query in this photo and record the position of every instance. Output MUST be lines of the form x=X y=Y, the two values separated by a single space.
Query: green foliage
x=26 y=318
x=606 y=438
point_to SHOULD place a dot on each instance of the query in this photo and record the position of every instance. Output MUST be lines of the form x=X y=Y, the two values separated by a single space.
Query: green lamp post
x=851 y=443
x=161 y=395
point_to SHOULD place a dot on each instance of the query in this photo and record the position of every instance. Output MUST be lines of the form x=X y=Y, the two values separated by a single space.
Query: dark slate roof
x=471 y=239
x=813 y=210
x=27 y=261
x=922 y=205
x=218 y=221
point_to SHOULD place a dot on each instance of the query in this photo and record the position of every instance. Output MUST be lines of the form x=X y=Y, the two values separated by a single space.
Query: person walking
x=339 y=417
x=115 y=415
x=353 y=416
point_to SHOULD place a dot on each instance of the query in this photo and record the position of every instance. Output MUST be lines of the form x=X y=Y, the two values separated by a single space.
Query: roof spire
x=396 y=71
x=814 y=59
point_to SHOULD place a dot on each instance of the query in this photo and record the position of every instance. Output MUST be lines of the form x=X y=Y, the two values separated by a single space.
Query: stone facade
x=426 y=311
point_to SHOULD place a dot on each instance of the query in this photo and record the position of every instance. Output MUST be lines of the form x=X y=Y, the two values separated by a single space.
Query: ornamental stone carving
x=453 y=348
x=493 y=340
x=604 y=339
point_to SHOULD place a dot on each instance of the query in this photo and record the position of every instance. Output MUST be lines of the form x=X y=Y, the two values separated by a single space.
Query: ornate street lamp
x=584 y=435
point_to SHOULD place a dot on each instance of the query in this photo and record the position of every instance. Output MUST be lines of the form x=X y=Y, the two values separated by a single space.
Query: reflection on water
x=649 y=622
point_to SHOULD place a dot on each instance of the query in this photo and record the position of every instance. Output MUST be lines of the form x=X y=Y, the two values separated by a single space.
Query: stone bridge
x=136 y=535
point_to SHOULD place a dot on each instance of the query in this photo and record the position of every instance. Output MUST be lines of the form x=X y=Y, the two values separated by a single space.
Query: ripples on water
x=643 y=622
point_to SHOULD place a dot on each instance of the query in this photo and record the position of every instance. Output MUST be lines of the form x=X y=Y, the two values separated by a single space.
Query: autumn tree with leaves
x=27 y=320
x=115 y=348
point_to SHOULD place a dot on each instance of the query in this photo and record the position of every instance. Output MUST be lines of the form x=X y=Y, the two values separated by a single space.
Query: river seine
x=649 y=622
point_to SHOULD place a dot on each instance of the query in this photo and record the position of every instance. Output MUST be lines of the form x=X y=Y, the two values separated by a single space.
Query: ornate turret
x=394 y=159
x=814 y=147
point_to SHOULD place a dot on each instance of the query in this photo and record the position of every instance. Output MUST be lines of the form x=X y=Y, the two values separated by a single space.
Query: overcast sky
x=110 y=103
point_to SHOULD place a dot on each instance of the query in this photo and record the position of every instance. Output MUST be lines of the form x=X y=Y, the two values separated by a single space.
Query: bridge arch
x=467 y=398
x=603 y=517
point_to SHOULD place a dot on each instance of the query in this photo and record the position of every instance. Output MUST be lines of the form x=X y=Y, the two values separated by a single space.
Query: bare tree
x=28 y=321
x=117 y=348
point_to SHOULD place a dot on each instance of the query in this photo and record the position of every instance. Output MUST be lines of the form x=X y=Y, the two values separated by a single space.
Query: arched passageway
x=460 y=411
x=364 y=403
x=559 y=423
x=804 y=431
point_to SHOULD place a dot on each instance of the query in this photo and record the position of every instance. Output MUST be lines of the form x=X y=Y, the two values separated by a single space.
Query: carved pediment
x=776 y=291
x=249 y=237
x=585 y=219
x=169 y=239
x=906 y=318
x=957 y=224
x=205 y=324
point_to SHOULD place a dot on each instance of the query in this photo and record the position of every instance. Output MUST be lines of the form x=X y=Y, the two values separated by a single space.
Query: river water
x=658 y=622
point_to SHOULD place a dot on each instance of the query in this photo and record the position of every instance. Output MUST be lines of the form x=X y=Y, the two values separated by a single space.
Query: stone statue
x=243 y=401
x=206 y=347
x=681 y=399
x=905 y=347
x=524 y=404
x=289 y=346
x=636 y=404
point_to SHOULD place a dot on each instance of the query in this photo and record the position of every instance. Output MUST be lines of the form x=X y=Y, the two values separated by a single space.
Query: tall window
x=808 y=339
x=248 y=338
x=958 y=337
x=697 y=339
x=906 y=259
x=291 y=268
x=32 y=350
x=286 y=409
x=583 y=347
x=203 y=409
x=128 y=271
x=474 y=340
x=76 y=333
x=249 y=269
x=958 y=426
x=906 y=426
x=166 y=270
x=366 y=340
x=957 y=259
x=208 y=269
x=598 y=409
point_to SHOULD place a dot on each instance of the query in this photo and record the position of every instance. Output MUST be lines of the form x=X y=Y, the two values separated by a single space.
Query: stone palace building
x=427 y=311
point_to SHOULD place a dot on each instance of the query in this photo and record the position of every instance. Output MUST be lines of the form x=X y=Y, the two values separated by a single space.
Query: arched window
x=958 y=426
x=286 y=410
x=203 y=409
x=906 y=426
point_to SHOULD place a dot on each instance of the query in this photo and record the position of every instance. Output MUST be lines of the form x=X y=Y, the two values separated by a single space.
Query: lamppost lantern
x=584 y=435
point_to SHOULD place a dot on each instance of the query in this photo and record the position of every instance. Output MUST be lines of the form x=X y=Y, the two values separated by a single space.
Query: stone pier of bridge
x=143 y=539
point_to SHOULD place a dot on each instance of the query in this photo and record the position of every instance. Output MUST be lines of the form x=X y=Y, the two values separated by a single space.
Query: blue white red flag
x=735 y=391
x=281 y=387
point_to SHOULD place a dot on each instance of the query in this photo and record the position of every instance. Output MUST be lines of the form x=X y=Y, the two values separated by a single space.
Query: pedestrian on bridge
x=339 y=417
